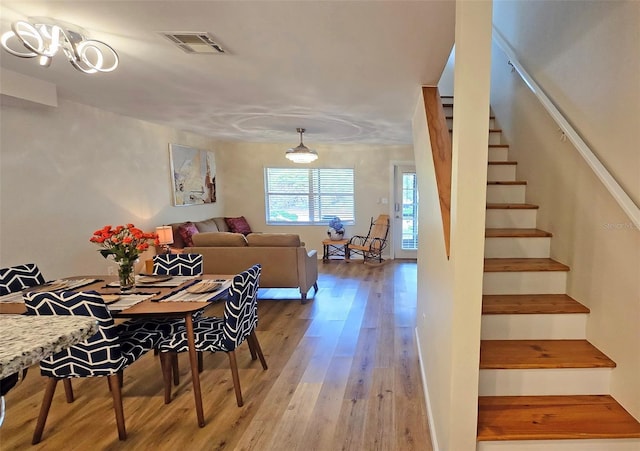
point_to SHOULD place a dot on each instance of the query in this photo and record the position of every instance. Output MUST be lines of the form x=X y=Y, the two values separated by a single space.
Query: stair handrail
x=618 y=193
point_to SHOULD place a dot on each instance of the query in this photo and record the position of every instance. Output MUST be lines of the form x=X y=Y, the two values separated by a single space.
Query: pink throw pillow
x=238 y=225
x=186 y=231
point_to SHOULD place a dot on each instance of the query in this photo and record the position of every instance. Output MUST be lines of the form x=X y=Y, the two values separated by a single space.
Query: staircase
x=542 y=385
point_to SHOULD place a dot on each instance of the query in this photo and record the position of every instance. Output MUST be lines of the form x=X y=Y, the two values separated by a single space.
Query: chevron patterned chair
x=177 y=264
x=106 y=353
x=174 y=265
x=16 y=278
x=222 y=334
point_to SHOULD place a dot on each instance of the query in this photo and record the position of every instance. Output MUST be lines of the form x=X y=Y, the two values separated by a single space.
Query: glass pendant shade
x=301 y=154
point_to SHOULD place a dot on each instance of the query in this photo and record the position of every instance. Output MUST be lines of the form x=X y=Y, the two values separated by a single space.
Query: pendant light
x=301 y=154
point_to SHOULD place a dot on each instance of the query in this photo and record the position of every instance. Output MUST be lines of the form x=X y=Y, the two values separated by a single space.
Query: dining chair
x=106 y=353
x=177 y=264
x=17 y=278
x=225 y=334
x=174 y=265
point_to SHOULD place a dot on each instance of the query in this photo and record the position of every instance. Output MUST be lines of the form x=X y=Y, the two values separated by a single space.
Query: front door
x=405 y=214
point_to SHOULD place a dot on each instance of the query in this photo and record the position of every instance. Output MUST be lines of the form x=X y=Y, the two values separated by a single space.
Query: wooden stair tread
x=553 y=417
x=522 y=265
x=507 y=182
x=496 y=206
x=516 y=233
x=501 y=163
x=499 y=145
x=541 y=354
x=523 y=304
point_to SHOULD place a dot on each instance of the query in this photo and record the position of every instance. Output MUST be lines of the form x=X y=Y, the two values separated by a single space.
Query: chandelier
x=301 y=154
x=46 y=37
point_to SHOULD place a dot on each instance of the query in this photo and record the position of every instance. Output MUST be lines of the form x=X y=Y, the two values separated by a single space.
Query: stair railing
x=618 y=193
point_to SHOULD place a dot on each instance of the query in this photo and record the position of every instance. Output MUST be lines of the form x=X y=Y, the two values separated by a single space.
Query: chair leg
x=234 y=375
x=252 y=348
x=68 y=390
x=44 y=409
x=175 y=368
x=200 y=363
x=114 y=383
x=166 y=361
x=256 y=344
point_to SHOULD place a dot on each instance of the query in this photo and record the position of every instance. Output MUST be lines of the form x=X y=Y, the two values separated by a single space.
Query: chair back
x=16 y=278
x=99 y=355
x=241 y=307
x=177 y=264
x=378 y=231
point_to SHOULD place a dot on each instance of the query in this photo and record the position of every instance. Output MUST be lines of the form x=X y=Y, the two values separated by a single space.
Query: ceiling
x=347 y=71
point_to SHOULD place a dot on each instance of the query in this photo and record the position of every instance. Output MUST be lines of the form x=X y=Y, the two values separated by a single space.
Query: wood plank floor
x=343 y=374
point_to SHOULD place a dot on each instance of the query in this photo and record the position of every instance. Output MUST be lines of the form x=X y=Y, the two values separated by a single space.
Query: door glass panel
x=409 y=211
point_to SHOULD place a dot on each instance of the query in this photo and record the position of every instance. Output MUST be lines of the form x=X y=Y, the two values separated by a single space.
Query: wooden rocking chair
x=372 y=245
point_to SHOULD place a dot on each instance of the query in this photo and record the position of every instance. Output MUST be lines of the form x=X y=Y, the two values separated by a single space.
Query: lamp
x=45 y=37
x=165 y=237
x=301 y=154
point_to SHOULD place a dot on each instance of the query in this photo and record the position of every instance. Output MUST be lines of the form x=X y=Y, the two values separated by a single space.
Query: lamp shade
x=165 y=235
x=301 y=154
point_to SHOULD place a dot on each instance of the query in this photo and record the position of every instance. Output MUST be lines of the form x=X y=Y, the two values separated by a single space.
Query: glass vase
x=126 y=275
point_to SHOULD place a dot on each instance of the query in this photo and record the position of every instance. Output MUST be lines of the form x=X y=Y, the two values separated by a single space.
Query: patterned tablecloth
x=25 y=340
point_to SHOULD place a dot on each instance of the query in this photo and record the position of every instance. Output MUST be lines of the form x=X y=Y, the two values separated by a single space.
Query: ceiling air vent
x=192 y=42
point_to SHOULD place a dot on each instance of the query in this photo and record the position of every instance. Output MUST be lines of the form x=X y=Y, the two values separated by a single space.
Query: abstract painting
x=193 y=175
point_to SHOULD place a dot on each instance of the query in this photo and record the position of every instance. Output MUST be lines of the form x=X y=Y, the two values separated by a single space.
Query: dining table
x=162 y=297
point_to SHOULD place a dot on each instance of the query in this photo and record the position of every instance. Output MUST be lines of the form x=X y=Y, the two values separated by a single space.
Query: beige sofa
x=285 y=261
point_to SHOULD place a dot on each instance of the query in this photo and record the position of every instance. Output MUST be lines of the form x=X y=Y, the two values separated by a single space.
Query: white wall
x=586 y=56
x=69 y=170
x=66 y=171
x=243 y=182
x=450 y=290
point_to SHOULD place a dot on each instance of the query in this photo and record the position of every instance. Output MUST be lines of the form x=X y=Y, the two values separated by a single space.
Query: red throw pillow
x=186 y=231
x=238 y=225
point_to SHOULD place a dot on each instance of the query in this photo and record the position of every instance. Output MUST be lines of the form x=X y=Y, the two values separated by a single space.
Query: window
x=309 y=195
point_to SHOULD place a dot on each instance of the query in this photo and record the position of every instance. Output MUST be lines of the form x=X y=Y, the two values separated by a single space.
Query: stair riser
x=560 y=326
x=507 y=194
x=501 y=172
x=495 y=137
x=519 y=219
x=517 y=247
x=539 y=382
x=498 y=154
x=543 y=282
x=561 y=445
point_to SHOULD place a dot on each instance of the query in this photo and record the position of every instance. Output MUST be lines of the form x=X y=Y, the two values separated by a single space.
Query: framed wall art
x=193 y=175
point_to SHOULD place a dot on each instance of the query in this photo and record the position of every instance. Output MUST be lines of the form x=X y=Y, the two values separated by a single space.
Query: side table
x=334 y=248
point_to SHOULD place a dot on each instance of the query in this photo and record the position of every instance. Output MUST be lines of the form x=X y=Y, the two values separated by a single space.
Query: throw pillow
x=238 y=225
x=186 y=231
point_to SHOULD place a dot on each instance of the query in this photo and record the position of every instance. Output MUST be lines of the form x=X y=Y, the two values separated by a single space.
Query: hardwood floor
x=343 y=374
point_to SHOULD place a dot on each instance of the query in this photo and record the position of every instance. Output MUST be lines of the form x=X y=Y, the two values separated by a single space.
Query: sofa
x=184 y=231
x=285 y=261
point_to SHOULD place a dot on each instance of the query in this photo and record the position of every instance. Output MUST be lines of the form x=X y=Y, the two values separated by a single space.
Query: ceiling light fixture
x=301 y=154
x=45 y=37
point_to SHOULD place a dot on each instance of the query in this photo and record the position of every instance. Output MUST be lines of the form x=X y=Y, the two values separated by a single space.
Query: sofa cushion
x=238 y=225
x=208 y=225
x=222 y=225
x=273 y=240
x=186 y=232
x=219 y=239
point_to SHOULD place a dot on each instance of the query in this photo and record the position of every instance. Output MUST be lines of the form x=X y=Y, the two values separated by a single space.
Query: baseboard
x=425 y=388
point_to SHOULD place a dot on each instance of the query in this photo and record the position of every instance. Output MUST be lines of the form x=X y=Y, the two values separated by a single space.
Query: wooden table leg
x=195 y=374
